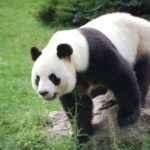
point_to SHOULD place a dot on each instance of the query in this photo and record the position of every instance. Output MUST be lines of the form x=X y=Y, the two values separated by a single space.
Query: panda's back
x=127 y=33
x=117 y=27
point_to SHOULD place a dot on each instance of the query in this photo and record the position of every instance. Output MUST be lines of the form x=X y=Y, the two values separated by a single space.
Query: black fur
x=142 y=68
x=37 y=80
x=54 y=79
x=64 y=50
x=98 y=91
x=79 y=110
x=108 y=67
x=35 y=53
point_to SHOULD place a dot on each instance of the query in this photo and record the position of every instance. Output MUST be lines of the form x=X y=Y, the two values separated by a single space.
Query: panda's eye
x=54 y=79
x=37 y=80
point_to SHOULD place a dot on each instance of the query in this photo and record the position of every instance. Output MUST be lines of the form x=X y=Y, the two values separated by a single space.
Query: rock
x=58 y=123
x=104 y=119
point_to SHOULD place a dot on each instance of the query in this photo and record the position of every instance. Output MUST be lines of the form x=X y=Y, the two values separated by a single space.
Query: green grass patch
x=22 y=113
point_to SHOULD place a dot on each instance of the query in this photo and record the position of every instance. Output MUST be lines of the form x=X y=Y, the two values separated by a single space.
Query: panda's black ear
x=64 y=51
x=35 y=53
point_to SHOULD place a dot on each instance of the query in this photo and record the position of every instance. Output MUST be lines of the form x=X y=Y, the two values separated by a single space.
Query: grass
x=22 y=113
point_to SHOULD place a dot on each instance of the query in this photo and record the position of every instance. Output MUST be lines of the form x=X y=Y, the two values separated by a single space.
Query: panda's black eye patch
x=54 y=79
x=37 y=80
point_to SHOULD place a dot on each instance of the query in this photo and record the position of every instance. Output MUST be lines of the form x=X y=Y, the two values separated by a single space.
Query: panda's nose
x=43 y=93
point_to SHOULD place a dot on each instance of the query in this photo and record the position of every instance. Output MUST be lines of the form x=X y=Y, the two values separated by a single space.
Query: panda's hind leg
x=122 y=81
x=142 y=69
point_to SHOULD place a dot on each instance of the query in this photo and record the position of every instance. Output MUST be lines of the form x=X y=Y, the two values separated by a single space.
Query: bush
x=78 y=12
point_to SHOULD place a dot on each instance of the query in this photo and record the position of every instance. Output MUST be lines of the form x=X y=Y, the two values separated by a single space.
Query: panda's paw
x=125 y=121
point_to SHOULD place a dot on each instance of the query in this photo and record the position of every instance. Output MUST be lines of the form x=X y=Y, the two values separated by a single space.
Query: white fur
x=78 y=43
x=50 y=63
x=128 y=33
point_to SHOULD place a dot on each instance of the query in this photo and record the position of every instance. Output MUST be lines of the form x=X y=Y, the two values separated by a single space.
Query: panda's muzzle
x=43 y=93
x=46 y=95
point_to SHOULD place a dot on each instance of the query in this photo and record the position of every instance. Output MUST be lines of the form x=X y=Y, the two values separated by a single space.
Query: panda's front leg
x=79 y=111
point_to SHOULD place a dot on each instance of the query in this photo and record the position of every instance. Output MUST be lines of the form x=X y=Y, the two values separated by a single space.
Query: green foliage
x=22 y=114
x=78 y=12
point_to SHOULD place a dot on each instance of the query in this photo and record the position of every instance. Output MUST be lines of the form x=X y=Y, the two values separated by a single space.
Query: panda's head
x=53 y=74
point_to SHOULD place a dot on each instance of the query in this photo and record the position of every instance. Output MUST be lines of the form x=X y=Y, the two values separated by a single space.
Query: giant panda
x=112 y=50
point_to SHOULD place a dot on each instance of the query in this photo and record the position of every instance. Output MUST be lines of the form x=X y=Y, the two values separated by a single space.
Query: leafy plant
x=78 y=12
